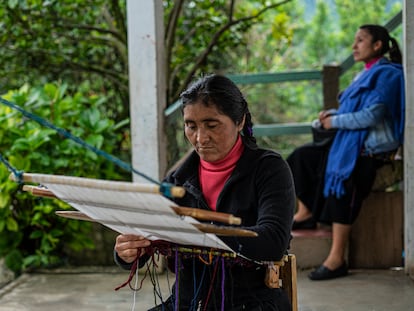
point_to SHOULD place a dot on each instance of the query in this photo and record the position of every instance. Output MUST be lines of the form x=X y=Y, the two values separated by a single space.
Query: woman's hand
x=326 y=123
x=129 y=247
x=325 y=119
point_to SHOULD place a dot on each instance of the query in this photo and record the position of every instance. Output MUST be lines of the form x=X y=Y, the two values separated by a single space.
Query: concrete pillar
x=147 y=87
x=408 y=51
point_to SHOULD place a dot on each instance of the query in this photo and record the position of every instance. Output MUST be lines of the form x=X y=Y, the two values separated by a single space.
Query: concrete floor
x=93 y=289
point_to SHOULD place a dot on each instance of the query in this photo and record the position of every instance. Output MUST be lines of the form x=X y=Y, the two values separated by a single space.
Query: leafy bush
x=31 y=235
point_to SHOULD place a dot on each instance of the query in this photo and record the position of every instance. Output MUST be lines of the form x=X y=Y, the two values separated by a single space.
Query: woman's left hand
x=326 y=122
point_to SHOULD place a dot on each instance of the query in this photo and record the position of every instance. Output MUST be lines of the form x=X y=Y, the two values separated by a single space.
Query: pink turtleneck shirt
x=371 y=63
x=213 y=175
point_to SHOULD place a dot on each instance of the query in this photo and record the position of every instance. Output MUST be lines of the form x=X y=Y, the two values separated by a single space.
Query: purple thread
x=176 y=279
x=223 y=278
x=250 y=130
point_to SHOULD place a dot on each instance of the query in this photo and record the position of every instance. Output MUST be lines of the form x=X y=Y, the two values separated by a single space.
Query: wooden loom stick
x=38 y=191
x=206 y=228
x=75 y=215
x=175 y=191
x=225 y=231
x=207 y=215
x=179 y=210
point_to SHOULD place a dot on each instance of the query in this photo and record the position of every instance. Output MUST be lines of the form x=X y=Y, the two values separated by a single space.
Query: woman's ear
x=377 y=45
x=241 y=124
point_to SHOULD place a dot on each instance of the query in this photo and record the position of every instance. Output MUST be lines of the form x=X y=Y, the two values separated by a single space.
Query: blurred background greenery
x=66 y=61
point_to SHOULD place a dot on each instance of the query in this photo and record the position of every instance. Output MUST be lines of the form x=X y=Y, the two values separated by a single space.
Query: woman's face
x=211 y=133
x=364 y=50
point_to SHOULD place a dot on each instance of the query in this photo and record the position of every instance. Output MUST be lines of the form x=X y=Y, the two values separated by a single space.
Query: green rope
x=17 y=173
x=164 y=187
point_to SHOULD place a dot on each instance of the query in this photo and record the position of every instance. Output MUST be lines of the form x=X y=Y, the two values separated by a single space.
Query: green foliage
x=70 y=41
x=78 y=41
x=75 y=41
x=203 y=33
x=31 y=235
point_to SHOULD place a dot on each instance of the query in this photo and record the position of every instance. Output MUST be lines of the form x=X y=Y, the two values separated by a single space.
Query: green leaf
x=4 y=199
x=21 y=144
x=94 y=116
x=11 y=224
x=14 y=260
x=13 y=3
x=101 y=126
x=31 y=261
x=36 y=234
x=50 y=90
x=56 y=232
x=95 y=140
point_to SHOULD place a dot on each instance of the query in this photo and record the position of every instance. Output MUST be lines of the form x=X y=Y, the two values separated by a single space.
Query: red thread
x=131 y=274
x=211 y=284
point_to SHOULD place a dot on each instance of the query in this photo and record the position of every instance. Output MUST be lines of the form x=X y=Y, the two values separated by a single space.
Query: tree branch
x=170 y=37
x=120 y=45
x=89 y=28
x=204 y=54
x=120 y=18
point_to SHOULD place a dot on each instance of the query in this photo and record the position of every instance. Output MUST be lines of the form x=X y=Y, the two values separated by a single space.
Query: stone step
x=310 y=247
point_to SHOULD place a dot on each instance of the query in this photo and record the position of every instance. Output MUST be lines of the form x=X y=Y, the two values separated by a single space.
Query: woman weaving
x=332 y=181
x=226 y=172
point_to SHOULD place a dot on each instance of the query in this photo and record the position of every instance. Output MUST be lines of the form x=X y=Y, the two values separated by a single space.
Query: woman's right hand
x=129 y=247
x=325 y=118
x=324 y=114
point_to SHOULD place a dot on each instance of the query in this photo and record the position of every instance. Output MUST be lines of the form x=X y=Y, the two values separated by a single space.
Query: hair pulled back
x=219 y=91
x=389 y=44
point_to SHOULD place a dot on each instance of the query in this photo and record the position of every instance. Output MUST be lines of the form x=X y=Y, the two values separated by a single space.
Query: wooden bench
x=377 y=236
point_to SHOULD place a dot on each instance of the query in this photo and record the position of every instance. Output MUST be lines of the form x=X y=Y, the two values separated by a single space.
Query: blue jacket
x=370 y=120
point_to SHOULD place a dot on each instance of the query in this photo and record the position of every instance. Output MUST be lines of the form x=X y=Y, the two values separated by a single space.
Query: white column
x=147 y=87
x=408 y=29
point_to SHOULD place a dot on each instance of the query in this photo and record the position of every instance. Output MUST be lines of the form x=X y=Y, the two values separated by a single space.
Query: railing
x=329 y=77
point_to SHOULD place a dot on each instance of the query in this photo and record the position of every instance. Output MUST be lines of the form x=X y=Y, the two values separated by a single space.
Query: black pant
x=308 y=164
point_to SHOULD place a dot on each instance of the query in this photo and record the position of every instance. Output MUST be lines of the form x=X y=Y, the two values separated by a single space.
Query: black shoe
x=304 y=224
x=323 y=273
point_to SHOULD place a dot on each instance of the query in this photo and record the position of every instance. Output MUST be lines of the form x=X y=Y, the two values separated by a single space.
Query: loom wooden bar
x=39 y=192
x=207 y=215
x=98 y=184
x=288 y=274
x=74 y=215
x=225 y=231
x=206 y=228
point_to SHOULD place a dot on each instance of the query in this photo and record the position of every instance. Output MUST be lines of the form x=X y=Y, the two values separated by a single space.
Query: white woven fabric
x=119 y=206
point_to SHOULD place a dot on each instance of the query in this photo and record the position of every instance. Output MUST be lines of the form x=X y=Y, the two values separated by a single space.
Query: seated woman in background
x=332 y=181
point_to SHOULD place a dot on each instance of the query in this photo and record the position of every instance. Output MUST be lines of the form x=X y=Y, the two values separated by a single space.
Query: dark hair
x=220 y=91
x=389 y=44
